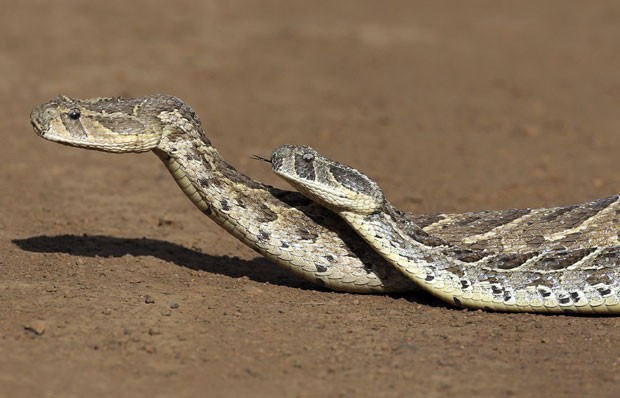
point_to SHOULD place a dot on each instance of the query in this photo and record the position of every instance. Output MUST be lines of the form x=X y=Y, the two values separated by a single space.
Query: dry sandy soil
x=113 y=284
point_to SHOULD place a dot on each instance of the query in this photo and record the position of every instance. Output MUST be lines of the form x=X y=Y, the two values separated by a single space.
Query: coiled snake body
x=559 y=259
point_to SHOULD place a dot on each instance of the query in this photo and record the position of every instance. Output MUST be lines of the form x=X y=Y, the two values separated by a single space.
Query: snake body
x=283 y=226
x=553 y=278
x=310 y=240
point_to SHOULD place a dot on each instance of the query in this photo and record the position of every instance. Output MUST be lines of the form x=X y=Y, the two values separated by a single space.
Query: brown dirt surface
x=113 y=284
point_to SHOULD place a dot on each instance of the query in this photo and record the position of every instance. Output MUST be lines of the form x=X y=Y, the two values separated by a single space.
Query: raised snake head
x=332 y=184
x=114 y=124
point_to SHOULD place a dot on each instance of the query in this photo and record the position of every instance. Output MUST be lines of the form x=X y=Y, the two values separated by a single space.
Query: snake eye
x=308 y=157
x=74 y=114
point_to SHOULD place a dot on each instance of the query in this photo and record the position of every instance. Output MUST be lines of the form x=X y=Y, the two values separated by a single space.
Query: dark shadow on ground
x=258 y=269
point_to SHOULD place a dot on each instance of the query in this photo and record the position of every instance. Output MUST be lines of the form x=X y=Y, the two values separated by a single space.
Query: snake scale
x=562 y=259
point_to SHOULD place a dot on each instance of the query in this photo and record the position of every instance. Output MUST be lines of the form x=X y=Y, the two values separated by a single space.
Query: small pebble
x=174 y=305
x=154 y=331
x=37 y=327
x=148 y=299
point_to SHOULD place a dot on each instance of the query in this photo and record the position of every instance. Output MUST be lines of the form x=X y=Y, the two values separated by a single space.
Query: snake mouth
x=35 y=127
x=38 y=126
x=40 y=118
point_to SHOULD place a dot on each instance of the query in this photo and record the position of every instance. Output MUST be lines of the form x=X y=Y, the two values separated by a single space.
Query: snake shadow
x=258 y=269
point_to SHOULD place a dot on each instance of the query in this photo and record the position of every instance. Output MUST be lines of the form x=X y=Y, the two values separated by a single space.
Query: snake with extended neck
x=561 y=259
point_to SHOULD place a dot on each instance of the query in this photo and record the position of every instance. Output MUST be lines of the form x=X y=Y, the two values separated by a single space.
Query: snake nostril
x=37 y=126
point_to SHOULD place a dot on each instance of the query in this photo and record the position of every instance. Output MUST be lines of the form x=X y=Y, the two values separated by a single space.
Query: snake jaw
x=40 y=118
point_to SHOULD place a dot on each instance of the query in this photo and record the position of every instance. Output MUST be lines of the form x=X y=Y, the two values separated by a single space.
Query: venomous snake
x=552 y=279
x=561 y=259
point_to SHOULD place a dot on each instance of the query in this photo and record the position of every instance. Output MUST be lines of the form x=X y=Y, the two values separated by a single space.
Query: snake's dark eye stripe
x=74 y=114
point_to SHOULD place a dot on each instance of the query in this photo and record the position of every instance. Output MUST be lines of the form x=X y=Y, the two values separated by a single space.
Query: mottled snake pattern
x=562 y=259
x=550 y=278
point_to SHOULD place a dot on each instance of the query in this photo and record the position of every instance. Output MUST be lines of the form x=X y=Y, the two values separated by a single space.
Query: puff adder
x=291 y=230
x=551 y=278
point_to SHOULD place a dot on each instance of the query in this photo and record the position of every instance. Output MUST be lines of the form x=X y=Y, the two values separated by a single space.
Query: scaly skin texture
x=584 y=278
x=302 y=236
x=281 y=225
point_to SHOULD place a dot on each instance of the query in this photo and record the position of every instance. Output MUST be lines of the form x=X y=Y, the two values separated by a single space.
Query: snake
x=310 y=240
x=550 y=279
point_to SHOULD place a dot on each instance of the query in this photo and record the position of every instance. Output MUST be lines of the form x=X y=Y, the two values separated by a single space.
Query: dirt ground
x=113 y=284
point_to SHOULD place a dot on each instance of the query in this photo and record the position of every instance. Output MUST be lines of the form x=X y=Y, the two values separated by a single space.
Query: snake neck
x=202 y=174
x=268 y=220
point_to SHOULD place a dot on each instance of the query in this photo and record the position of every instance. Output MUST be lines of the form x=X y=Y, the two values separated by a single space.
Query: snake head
x=105 y=124
x=332 y=184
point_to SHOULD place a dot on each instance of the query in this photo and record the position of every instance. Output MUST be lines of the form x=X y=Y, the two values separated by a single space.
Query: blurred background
x=506 y=97
x=451 y=106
